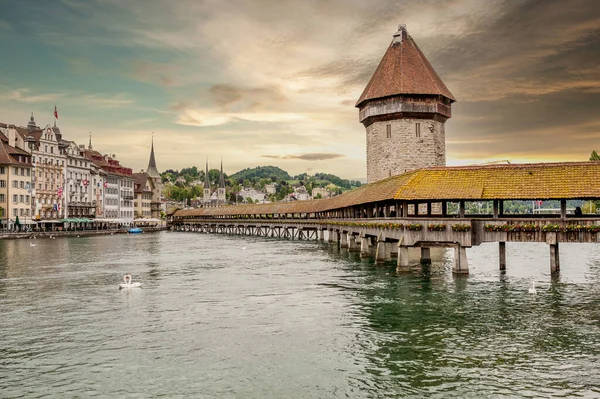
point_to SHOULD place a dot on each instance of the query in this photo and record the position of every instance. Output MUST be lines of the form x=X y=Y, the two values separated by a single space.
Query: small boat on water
x=136 y=230
x=128 y=283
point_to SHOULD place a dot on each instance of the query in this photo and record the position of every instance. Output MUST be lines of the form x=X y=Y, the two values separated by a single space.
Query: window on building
x=2 y=170
x=28 y=172
x=417 y=129
x=2 y=198
x=389 y=131
x=14 y=212
x=22 y=184
x=52 y=150
x=15 y=184
x=2 y=183
x=21 y=198
x=15 y=198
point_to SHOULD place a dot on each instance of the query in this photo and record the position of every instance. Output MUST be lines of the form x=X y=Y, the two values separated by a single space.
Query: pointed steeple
x=221 y=178
x=206 y=181
x=152 y=170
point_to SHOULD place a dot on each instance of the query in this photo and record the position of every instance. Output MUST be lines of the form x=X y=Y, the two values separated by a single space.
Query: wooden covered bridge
x=412 y=210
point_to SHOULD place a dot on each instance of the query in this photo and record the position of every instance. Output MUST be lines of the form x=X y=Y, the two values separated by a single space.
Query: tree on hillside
x=594 y=156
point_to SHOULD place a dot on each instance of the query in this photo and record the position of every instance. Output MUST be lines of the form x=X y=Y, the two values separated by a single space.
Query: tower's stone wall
x=401 y=147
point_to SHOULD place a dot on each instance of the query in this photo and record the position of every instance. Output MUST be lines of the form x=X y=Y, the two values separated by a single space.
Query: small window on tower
x=389 y=131
x=417 y=129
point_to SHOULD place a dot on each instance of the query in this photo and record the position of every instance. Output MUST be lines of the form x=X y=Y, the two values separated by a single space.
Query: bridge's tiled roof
x=567 y=180
x=544 y=181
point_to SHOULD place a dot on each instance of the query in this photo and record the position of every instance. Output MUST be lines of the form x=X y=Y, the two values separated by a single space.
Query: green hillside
x=261 y=172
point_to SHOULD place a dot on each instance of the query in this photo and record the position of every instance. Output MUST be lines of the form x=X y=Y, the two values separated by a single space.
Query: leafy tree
x=261 y=172
x=594 y=156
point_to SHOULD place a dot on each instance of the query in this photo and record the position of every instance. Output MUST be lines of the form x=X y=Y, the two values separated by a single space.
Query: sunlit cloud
x=278 y=80
x=307 y=157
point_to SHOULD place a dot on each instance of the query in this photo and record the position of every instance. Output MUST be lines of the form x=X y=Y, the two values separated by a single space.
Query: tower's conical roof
x=151 y=170
x=404 y=70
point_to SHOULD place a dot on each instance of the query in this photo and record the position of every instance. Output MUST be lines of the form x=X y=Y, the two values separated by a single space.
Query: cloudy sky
x=268 y=82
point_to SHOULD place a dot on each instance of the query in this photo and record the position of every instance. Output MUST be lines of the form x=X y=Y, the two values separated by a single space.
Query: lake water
x=291 y=319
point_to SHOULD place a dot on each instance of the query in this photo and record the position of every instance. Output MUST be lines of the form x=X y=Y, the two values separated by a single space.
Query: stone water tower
x=404 y=108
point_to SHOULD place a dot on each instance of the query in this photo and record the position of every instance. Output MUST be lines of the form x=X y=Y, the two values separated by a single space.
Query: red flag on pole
x=55 y=112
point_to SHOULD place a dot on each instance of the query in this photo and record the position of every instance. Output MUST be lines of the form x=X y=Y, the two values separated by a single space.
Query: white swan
x=31 y=244
x=128 y=283
x=532 y=289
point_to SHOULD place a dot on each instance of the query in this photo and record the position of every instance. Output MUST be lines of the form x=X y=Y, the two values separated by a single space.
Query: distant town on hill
x=254 y=185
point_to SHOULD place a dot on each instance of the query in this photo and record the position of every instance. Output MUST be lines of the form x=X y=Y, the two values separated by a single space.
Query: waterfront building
x=83 y=183
x=144 y=195
x=118 y=186
x=404 y=108
x=48 y=156
x=15 y=178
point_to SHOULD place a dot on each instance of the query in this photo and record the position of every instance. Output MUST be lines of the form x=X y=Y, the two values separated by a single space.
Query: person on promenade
x=578 y=212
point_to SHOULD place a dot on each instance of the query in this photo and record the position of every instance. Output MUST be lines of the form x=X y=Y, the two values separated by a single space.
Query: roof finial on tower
x=90 y=144
x=400 y=34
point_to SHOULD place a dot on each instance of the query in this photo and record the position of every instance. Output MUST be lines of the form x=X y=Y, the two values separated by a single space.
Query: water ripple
x=288 y=318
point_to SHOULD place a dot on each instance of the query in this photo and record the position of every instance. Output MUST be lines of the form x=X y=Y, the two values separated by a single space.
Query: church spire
x=222 y=178
x=206 y=180
x=90 y=144
x=152 y=170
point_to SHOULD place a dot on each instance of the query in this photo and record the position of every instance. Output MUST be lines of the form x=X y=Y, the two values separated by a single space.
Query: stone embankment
x=79 y=233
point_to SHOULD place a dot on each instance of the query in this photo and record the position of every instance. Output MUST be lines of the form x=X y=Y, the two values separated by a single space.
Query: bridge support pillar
x=352 y=247
x=343 y=240
x=388 y=251
x=330 y=235
x=364 y=247
x=460 y=260
x=394 y=248
x=554 y=259
x=321 y=235
x=380 y=252
x=402 y=259
x=502 y=255
x=425 y=256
